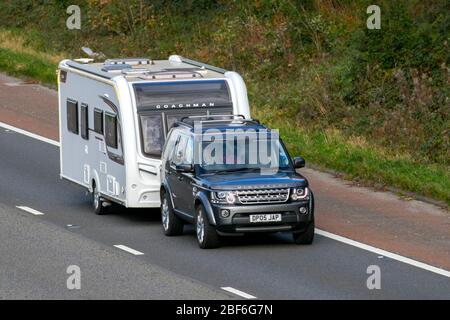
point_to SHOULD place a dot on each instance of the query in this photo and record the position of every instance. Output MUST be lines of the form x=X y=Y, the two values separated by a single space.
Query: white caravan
x=115 y=116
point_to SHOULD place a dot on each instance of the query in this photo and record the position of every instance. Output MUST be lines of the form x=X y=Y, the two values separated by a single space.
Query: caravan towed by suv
x=230 y=175
x=115 y=117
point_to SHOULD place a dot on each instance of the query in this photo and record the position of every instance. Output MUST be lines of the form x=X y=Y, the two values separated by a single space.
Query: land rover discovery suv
x=231 y=176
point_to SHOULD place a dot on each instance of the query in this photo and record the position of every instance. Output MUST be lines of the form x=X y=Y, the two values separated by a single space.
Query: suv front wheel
x=207 y=236
x=172 y=225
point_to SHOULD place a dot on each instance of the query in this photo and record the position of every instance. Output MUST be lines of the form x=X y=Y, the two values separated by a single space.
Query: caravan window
x=171 y=119
x=161 y=104
x=98 y=121
x=72 y=116
x=111 y=130
x=84 y=125
x=152 y=134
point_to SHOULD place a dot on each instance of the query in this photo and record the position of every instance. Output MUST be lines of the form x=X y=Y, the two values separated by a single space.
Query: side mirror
x=184 y=168
x=299 y=162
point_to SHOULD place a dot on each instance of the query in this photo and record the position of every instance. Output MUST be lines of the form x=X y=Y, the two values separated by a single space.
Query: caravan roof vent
x=129 y=61
x=116 y=67
x=134 y=71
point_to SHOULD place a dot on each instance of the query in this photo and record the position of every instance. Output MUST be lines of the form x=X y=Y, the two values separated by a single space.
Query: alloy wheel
x=200 y=227
x=165 y=214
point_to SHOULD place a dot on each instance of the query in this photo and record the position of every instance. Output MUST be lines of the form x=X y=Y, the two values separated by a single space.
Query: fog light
x=303 y=210
x=224 y=213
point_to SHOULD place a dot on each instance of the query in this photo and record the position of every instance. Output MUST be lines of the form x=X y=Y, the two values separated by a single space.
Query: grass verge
x=362 y=161
x=19 y=60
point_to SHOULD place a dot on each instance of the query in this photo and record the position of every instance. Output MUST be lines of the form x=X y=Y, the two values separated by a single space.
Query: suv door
x=186 y=179
x=177 y=180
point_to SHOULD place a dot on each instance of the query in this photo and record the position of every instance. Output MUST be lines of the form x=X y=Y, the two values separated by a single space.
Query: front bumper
x=239 y=219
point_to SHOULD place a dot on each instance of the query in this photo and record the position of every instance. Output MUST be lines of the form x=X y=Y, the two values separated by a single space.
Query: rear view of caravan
x=115 y=117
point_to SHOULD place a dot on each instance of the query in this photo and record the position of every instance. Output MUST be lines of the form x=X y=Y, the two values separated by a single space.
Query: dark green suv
x=229 y=175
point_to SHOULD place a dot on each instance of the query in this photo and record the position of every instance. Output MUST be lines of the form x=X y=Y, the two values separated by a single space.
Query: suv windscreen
x=224 y=155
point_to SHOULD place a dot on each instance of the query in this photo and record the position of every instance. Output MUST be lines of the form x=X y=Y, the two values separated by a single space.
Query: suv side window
x=189 y=153
x=180 y=150
x=170 y=144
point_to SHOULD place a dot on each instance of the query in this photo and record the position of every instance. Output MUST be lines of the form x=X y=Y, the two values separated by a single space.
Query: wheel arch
x=95 y=180
x=202 y=200
x=166 y=189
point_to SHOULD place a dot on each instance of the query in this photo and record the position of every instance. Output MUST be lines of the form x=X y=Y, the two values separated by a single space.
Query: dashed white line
x=29 y=134
x=384 y=253
x=129 y=250
x=238 y=292
x=30 y=210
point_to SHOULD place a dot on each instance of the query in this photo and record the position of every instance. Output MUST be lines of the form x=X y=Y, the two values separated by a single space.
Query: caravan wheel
x=97 y=202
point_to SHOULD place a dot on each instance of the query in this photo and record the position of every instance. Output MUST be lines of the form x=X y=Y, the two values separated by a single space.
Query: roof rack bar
x=217 y=118
x=197 y=63
x=232 y=116
x=129 y=61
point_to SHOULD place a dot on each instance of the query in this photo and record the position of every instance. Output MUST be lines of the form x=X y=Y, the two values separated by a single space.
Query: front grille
x=263 y=196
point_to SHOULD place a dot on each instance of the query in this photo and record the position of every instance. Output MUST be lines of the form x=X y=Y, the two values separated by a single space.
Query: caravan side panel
x=91 y=134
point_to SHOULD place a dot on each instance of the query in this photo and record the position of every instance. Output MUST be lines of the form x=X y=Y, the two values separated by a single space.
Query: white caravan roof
x=145 y=70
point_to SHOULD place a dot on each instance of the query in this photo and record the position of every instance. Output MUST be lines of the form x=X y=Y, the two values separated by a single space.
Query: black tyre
x=172 y=225
x=207 y=236
x=305 y=237
x=97 y=202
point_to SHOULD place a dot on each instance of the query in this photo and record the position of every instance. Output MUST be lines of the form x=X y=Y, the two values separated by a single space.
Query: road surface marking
x=29 y=134
x=129 y=250
x=383 y=253
x=239 y=292
x=323 y=233
x=30 y=210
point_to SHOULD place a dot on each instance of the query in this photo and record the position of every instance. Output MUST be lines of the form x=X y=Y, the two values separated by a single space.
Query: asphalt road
x=35 y=250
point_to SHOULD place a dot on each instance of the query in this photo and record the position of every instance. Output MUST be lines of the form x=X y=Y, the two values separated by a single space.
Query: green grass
x=27 y=65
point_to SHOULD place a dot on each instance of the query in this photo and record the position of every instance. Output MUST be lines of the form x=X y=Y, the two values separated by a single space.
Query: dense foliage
x=313 y=62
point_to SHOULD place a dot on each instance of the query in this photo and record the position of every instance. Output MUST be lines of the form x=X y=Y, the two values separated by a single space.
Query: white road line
x=323 y=233
x=384 y=253
x=29 y=134
x=239 y=292
x=30 y=210
x=129 y=250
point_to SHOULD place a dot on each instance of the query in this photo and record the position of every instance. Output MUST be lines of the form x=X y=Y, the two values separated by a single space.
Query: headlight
x=299 y=193
x=221 y=195
x=225 y=197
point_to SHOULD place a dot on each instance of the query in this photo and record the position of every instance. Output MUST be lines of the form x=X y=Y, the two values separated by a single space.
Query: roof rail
x=217 y=118
x=169 y=74
x=212 y=116
x=176 y=58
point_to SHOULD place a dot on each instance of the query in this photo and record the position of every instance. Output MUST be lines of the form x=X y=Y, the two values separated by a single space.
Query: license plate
x=273 y=217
